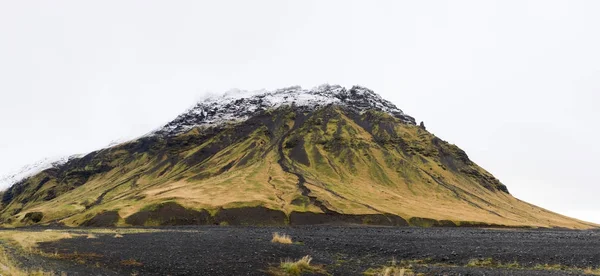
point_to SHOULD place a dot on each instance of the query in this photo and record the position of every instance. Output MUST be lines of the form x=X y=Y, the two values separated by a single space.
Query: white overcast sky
x=515 y=84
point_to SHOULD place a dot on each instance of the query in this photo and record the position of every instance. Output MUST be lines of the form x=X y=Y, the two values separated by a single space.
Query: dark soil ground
x=342 y=250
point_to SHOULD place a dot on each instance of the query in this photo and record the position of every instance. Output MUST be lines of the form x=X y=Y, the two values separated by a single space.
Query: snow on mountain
x=8 y=179
x=13 y=177
x=239 y=105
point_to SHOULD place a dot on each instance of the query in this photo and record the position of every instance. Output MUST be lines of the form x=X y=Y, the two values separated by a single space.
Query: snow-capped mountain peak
x=239 y=105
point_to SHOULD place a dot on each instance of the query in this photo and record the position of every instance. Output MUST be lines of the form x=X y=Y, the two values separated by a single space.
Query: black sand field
x=342 y=250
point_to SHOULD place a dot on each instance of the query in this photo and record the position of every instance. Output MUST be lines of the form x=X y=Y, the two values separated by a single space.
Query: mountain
x=289 y=156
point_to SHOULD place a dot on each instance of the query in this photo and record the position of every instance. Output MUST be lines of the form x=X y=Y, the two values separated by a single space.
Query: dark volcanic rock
x=250 y=216
x=169 y=213
x=104 y=219
x=34 y=217
x=308 y=218
x=427 y=222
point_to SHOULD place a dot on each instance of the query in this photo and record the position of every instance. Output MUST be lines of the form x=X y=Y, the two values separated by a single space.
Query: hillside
x=292 y=156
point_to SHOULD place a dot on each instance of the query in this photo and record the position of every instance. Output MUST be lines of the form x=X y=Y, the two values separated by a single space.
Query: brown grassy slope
x=330 y=160
x=373 y=164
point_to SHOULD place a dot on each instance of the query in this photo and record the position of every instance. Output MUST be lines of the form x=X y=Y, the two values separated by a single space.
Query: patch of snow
x=116 y=142
x=239 y=105
x=32 y=169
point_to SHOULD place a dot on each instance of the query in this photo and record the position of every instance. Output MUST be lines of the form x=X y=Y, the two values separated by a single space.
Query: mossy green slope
x=334 y=160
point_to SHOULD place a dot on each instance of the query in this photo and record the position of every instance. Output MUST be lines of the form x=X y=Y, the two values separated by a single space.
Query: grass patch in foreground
x=591 y=271
x=28 y=240
x=491 y=263
x=9 y=267
x=407 y=267
x=281 y=238
x=297 y=268
x=393 y=271
x=404 y=268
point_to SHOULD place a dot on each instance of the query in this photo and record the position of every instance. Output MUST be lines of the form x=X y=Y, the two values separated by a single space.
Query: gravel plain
x=342 y=250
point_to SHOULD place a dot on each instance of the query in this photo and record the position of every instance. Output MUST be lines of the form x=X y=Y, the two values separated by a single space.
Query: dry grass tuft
x=281 y=238
x=591 y=271
x=108 y=231
x=131 y=262
x=395 y=269
x=296 y=268
x=489 y=262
